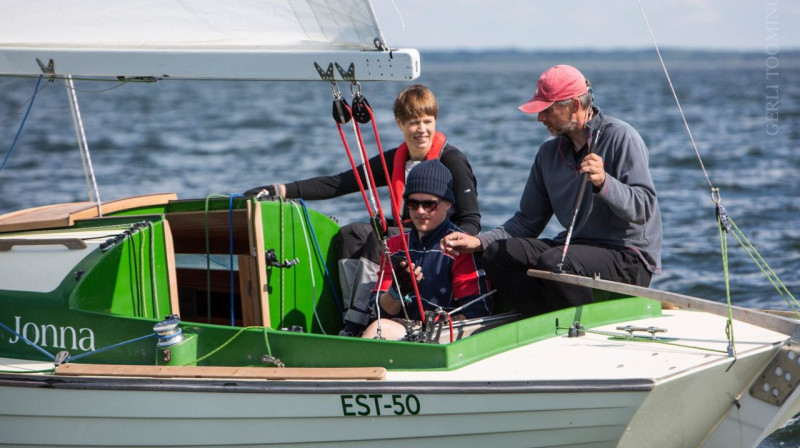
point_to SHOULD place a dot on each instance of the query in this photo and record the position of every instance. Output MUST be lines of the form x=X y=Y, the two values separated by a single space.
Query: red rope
x=353 y=165
x=369 y=173
x=396 y=213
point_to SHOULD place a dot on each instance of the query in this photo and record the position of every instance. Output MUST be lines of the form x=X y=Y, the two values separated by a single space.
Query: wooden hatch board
x=262 y=373
x=65 y=215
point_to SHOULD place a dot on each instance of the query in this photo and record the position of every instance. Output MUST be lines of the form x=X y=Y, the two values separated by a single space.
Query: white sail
x=217 y=39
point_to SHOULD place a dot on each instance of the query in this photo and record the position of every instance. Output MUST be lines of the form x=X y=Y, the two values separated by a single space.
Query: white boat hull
x=594 y=390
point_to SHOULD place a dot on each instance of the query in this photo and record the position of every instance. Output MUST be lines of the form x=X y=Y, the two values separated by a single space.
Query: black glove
x=270 y=191
x=401 y=272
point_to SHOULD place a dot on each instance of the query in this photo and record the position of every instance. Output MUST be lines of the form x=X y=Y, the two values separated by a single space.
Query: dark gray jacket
x=624 y=212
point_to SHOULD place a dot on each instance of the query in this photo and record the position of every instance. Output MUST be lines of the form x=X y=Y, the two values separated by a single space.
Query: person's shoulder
x=450 y=152
x=614 y=125
x=449 y=227
x=454 y=159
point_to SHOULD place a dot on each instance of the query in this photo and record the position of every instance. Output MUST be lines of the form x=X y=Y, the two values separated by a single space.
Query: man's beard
x=565 y=129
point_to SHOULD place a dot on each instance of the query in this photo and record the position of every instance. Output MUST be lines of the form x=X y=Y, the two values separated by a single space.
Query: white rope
x=83 y=145
x=674 y=95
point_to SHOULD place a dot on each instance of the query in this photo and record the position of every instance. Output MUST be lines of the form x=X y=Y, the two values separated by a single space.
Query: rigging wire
x=714 y=191
x=12 y=115
x=22 y=124
x=675 y=95
x=725 y=222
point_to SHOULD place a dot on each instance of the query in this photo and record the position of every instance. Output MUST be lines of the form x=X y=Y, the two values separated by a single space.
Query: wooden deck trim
x=172 y=273
x=262 y=373
x=65 y=215
x=257 y=251
x=776 y=323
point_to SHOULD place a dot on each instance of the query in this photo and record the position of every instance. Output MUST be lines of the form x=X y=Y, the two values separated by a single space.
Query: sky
x=753 y=25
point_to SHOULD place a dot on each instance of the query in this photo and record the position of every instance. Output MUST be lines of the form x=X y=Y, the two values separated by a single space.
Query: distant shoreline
x=627 y=59
x=602 y=54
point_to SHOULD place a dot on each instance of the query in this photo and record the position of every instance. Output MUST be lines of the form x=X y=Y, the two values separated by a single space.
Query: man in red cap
x=614 y=223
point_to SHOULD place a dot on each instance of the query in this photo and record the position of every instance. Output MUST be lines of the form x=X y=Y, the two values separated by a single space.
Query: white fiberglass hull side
x=596 y=390
x=158 y=418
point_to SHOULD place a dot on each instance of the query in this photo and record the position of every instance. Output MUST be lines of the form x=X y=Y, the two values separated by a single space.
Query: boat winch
x=174 y=347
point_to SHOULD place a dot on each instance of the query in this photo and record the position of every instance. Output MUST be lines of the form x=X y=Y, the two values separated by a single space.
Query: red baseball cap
x=558 y=83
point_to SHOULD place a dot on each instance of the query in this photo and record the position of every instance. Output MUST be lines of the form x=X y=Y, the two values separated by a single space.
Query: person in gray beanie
x=444 y=282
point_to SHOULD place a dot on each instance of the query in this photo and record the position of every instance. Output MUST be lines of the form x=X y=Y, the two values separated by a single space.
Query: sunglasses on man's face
x=429 y=205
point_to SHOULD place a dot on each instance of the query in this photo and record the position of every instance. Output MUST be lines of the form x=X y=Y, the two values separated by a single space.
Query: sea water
x=197 y=138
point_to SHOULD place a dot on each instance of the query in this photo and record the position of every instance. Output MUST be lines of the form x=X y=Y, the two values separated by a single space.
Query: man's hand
x=458 y=243
x=403 y=274
x=593 y=164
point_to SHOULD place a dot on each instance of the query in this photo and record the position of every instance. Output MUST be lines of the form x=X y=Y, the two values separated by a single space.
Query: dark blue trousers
x=506 y=263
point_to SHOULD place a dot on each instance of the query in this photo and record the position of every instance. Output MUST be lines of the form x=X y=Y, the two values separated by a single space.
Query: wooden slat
x=779 y=324
x=257 y=250
x=172 y=274
x=64 y=215
x=264 y=373
x=251 y=305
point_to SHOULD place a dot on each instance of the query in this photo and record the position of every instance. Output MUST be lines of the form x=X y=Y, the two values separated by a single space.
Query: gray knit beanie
x=431 y=177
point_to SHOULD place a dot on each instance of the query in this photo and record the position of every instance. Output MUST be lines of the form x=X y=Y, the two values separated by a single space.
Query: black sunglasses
x=429 y=205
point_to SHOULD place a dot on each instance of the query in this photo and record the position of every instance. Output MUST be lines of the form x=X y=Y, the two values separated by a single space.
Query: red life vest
x=398 y=181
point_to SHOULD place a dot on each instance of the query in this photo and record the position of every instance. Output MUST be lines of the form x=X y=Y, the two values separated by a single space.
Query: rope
x=231 y=339
x=230 y=253
x=142 y=296
x=727 y=225
x=396 y=212
x=12 y=115
x=22 y=124
x=310 y=268
x=282 y=236
x=153 y=278
x=765 y=268
x=723 y=241
x=14 y=372
x=136 y=284
x=27 y=341
x=120 y=84
x=675 y=95
x=337 y=300
x=353 y=164
x=76 y=357
x=382 y=271
x=373 y=193
x=105 y=349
